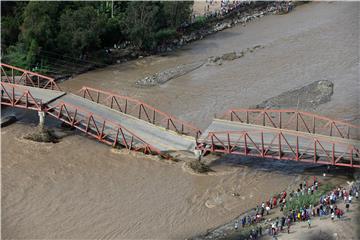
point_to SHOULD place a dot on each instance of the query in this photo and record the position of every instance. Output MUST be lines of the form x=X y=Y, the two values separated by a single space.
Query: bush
x=306 y=200
x=165 y=34
x=17 y=56
x=199 y=22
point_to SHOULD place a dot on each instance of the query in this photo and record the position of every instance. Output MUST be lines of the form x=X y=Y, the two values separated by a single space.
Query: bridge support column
x=198 y=154
x=41 y=119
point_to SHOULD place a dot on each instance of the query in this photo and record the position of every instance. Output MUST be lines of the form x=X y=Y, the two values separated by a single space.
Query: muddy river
x=79 y=188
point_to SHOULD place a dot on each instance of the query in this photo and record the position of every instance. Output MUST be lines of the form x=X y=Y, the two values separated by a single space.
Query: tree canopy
x=29 y=29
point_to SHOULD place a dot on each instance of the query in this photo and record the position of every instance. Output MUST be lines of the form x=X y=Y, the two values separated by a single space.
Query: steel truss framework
x=282 y=145
x=102 y=129
x=139 y=110
x=318 y=139
x=99 y=127
x=25 y=100
x=15 y=75
x=294 y=120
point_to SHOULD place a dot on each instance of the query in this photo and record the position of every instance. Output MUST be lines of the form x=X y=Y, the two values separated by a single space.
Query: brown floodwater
x=79 y=188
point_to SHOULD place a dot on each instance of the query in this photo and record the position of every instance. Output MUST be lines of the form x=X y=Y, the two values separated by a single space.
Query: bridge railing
x=97 y=126
x=294 y=120
x=140 y=110
x=17 y=96
x=283 y=145
x=15 y=75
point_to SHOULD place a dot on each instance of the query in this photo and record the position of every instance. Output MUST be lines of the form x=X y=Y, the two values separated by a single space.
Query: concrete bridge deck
x=230 y=135
x=136 y=131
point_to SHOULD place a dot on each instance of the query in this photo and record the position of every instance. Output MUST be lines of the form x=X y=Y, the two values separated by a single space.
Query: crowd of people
x=327 y=206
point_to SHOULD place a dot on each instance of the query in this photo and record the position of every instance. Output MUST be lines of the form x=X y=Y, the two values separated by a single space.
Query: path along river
x=79 y=188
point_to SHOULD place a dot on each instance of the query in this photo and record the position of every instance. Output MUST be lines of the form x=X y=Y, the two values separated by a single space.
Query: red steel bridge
x=120 y=120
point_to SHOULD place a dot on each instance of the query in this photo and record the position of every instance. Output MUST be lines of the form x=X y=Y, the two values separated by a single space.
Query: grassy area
x=306 y=199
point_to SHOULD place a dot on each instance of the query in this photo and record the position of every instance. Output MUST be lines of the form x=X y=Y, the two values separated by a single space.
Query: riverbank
x=198 y=30
x=344 y=229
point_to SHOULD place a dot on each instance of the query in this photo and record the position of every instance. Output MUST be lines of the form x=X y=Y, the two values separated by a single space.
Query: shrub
x=306 y=199
x=165 y=34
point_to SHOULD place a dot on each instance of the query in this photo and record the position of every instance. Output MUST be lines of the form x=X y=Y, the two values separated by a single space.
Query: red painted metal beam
x=139 y=110
x=25 y=100
x=15 y=75
x=104 y=130
x=294 y=120
x=252 y=143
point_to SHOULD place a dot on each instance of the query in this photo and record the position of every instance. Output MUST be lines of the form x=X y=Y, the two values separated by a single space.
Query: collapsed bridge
x=120 y=120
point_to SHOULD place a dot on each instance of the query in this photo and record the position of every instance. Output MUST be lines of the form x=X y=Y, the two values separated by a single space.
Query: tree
x=11 y=20
x=176 y=12
x=80 y=30
x=142 y=22
x=40 y=24
x=32 y=53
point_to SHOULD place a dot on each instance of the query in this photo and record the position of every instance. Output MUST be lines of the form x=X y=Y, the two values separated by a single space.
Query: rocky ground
x=307 y=97
x=168 y=74
x=175 y=72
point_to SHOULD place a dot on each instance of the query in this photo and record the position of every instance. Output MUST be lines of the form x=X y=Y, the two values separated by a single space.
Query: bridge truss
x=140 y=110
x=276 y=134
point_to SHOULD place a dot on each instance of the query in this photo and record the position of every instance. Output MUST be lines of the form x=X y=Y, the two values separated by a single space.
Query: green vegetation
x=34 y=33
x=308 y=199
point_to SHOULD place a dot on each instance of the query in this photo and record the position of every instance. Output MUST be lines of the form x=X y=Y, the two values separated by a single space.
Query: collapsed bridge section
x=109 y=125
x=283 y=135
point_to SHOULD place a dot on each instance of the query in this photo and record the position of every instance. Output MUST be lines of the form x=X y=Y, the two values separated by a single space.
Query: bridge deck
x=305 y=140
x=164 y=140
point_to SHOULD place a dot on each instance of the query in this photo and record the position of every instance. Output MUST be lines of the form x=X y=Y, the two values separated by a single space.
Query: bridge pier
x=198 y=154
x=41 y=115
